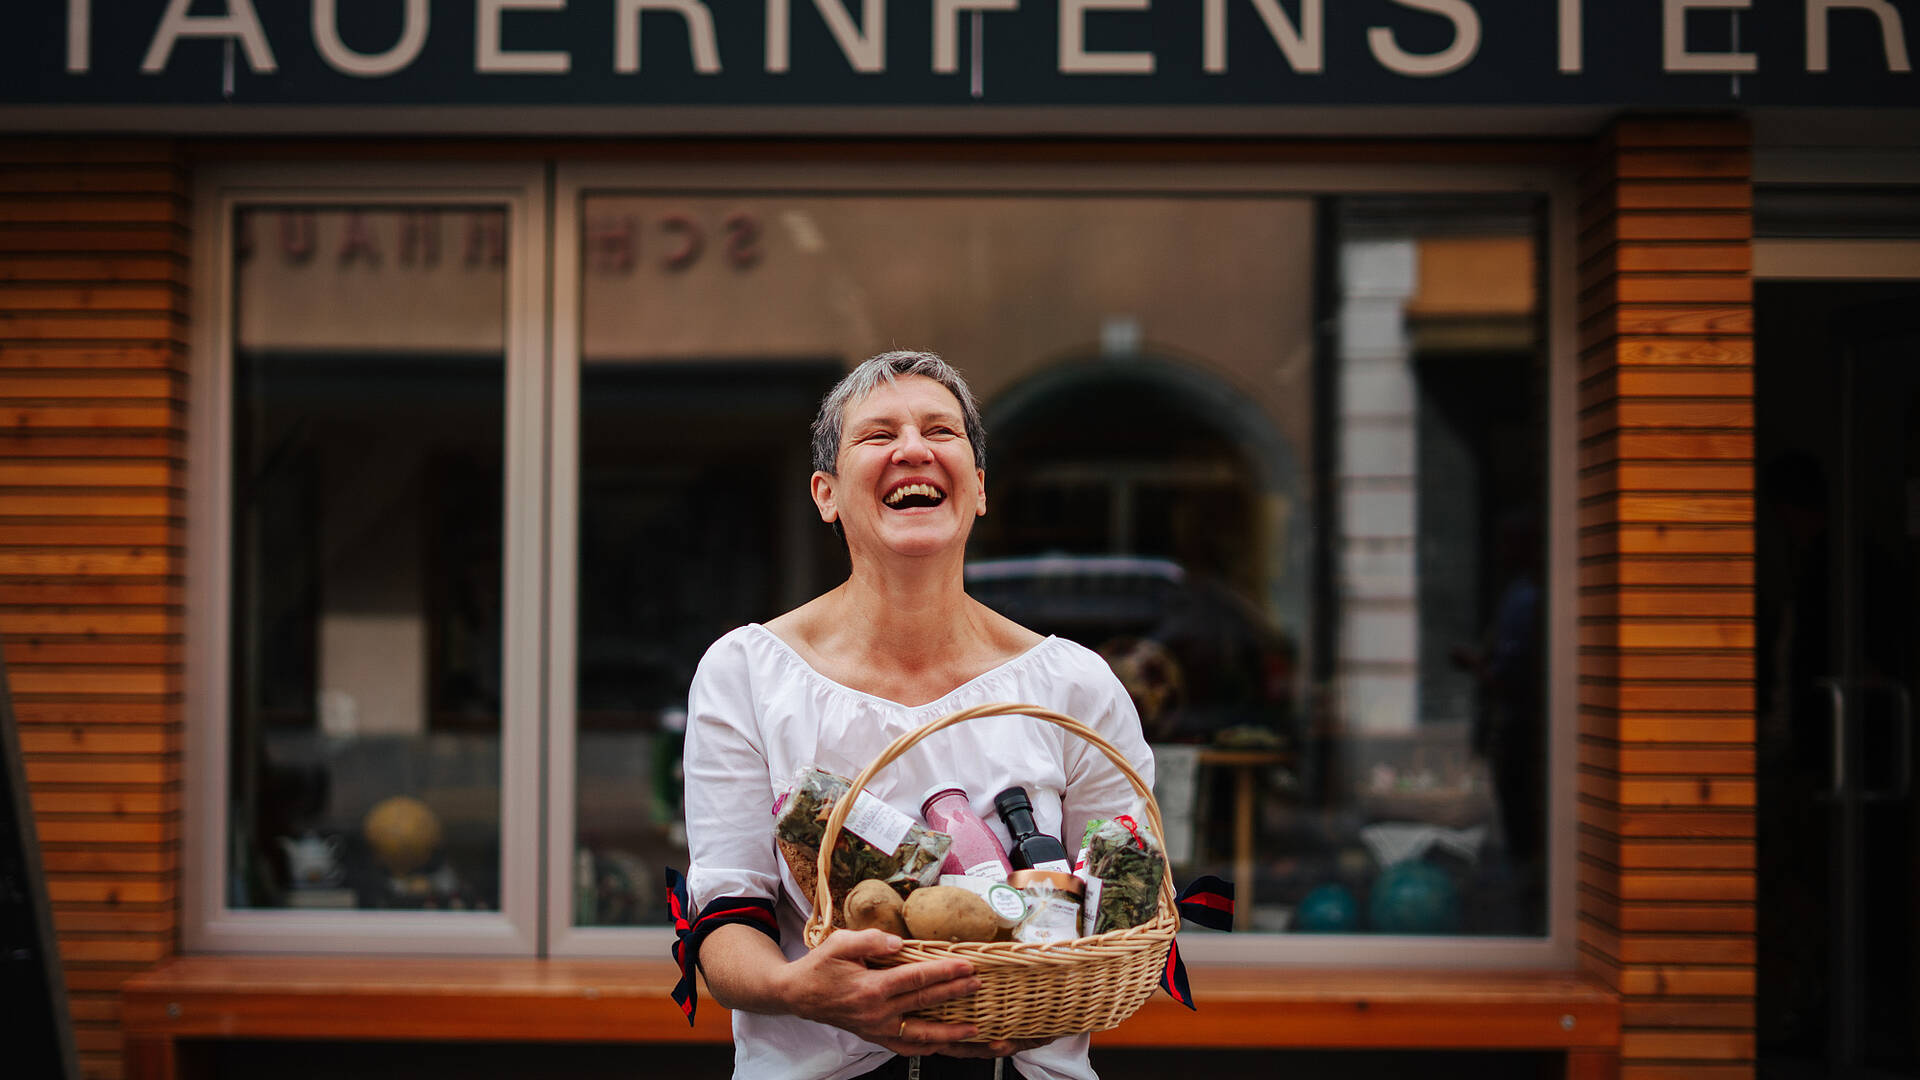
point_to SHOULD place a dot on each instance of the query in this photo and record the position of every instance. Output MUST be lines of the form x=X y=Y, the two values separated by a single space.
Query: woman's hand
x=833 y=985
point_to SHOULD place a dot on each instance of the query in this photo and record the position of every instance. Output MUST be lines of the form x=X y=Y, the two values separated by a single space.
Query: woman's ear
x=823 y=497
x=981 y=509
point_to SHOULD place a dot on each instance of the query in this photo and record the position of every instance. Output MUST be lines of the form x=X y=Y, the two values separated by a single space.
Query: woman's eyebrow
x=887 y=419
x=870 y=421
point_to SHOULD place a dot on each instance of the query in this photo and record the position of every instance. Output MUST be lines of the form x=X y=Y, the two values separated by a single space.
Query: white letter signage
x=1572 y=52
x=1674 y=34
x=700 y=36
x=946 y=29
x=240 y=22
x=326 y=37
x=490 y=58
x=1304 y=46
x=865 y=45
x=1466 y=41
x=79 y=36
x=1074 y=57
x=1892 y=35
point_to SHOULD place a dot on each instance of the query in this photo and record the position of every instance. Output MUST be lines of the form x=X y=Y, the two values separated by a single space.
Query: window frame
x=210 y=924
x=575 y=181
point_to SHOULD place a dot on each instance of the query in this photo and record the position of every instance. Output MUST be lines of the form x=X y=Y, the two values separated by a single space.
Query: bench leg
x=151 y=1057
x=1593 y=1065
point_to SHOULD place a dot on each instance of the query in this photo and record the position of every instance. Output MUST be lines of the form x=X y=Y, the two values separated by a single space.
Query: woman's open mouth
x=915 y=493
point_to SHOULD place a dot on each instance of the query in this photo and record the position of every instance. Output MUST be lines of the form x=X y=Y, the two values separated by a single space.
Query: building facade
x=1479 y=435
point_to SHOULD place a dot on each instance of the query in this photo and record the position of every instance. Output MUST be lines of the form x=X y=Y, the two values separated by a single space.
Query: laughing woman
x=899 y=471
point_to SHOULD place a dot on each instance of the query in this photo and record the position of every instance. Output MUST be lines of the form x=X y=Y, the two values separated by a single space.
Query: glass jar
x=1053 y=905
x=975 y=851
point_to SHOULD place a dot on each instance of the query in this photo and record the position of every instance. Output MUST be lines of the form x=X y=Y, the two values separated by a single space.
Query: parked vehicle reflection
x=1202 y=664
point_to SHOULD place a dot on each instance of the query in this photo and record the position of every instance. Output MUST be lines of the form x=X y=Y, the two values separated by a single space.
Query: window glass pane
x=1167 y=432
x=368 y=439
x=1433 y=782
x=691 y=523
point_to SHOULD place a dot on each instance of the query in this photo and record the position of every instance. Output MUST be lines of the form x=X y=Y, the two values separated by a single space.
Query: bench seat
x=352 y=998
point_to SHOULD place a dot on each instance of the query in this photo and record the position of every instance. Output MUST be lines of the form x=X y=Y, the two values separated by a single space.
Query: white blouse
x=757 y=714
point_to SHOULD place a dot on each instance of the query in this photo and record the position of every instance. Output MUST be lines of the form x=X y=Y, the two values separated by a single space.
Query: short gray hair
x=866 y=377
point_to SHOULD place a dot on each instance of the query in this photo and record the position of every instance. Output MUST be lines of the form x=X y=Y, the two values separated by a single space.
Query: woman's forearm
x=743 y=969
x=832 y=984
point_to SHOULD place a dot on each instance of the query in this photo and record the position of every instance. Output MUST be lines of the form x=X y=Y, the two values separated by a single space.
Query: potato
x=873 y=905
x=949 y=913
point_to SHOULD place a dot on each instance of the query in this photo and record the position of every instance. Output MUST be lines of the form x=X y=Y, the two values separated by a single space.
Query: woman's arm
x=1095 y=787
x=832 y=985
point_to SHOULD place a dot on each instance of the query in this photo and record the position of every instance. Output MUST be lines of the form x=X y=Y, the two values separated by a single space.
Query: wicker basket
x=1029 y=991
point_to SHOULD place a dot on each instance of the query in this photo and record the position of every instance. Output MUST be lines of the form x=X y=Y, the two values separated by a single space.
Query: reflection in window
x=694 y=519
x=1434 y=780
x=1163 y=550
x=1307 y=546
x=368 y=418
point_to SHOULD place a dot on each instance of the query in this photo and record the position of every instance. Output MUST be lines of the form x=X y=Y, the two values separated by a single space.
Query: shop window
x=366 y=773
x=1281 y=459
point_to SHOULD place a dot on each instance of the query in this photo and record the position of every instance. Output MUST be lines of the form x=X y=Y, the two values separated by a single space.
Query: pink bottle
x=976 y=851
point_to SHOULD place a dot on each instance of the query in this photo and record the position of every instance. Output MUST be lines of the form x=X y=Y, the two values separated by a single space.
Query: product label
x=1054 y=864
x=1007 y=903
x=877 y=823
x=1053 y=919
x=1091 y=903
x=990 y=869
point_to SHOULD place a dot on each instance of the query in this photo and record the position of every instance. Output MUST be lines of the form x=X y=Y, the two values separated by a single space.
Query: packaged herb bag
x=877 y=841
x=1123 y=870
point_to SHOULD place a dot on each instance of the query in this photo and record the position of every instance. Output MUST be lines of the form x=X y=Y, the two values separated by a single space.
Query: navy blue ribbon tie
x=1206 y=900
x=691 y=928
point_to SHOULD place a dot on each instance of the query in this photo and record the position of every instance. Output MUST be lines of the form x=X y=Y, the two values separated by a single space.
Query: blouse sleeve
x=1095 y=787
x=728 y=789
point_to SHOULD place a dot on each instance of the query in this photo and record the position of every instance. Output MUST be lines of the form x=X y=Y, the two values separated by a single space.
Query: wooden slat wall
x=1667 y=890
x=93 y=295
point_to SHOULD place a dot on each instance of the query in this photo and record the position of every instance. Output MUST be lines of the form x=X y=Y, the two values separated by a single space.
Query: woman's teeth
x=914 y=495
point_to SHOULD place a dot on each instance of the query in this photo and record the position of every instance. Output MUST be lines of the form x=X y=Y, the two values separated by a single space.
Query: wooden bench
x=193 y=999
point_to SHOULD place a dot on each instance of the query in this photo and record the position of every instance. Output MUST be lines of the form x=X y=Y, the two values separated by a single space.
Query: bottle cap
x=1014 y=798
x=937 y=790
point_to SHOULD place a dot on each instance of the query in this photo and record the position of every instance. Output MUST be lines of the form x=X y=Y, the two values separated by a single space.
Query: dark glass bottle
x=1032 y=849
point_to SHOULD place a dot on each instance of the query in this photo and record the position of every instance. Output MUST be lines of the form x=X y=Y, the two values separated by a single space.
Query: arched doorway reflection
x=1146 y=509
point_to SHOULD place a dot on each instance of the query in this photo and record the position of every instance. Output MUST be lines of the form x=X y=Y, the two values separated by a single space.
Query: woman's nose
x=911 y=448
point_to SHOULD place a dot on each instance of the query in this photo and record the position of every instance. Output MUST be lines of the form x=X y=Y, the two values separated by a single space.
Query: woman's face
x=907 y=481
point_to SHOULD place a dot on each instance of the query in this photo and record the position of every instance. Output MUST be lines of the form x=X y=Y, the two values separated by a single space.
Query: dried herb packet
x=1125 y=856
x=801 y=824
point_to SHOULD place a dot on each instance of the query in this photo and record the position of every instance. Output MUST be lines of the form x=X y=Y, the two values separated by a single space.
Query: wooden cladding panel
x=1666 y=630
x=93 y=322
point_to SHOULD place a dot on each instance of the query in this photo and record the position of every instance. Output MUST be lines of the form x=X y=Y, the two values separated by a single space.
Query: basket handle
x=817 y=923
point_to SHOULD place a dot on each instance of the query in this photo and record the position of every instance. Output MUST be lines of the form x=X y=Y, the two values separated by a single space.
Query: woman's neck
x=906 y=611
x=901 y=631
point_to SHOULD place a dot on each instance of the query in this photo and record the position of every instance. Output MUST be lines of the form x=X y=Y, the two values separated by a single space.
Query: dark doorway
x=1838 y=546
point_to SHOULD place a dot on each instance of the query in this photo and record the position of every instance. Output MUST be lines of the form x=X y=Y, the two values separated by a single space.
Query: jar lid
x=1009 y=907
x=1066 y=883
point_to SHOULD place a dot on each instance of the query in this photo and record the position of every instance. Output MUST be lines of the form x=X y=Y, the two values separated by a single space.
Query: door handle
x=1837 y=695
x=1903 y=743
